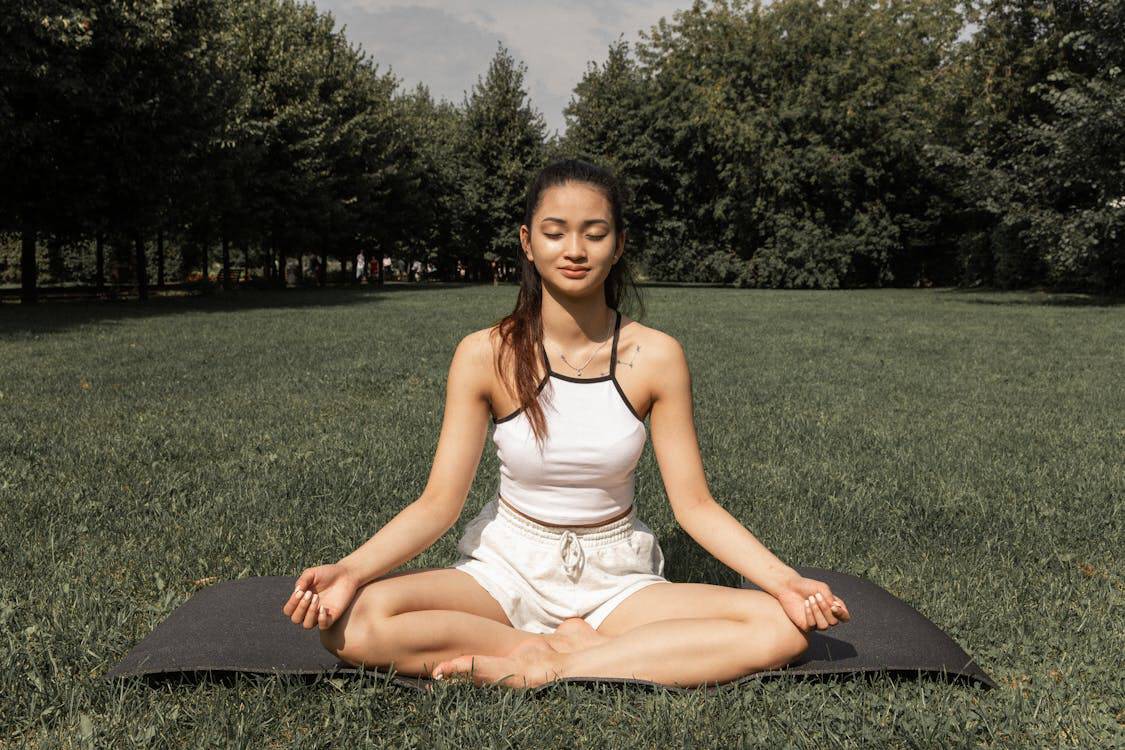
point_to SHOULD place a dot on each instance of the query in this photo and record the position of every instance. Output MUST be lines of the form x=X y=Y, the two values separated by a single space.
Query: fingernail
x=297 y=591
x=438 y=676
x=819 y=598
x=308 y=595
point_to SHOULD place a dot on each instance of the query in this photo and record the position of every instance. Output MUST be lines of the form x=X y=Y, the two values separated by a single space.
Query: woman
x=558 y=577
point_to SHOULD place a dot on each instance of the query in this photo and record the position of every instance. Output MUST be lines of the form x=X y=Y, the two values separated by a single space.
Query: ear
x=620 y=245
x=525 y=241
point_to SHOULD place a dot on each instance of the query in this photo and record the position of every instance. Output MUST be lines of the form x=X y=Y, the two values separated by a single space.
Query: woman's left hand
x=811 y=604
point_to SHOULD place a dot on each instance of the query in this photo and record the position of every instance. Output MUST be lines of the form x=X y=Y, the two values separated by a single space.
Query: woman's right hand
x=321 y=596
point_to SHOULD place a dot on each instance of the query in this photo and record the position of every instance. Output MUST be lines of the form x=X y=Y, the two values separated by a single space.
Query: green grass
x=962 y=450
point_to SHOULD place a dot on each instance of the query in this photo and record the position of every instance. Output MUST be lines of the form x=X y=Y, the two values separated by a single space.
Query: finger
x=306 y=579
x=841 y=609
x=310 y=615
x=821 y=623
x=302 y=608
x=825 y=608
x=810 y=619
x=293 y=600
x=323 y=620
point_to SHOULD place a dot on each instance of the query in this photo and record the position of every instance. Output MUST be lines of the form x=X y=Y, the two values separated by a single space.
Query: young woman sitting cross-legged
x=557 y=576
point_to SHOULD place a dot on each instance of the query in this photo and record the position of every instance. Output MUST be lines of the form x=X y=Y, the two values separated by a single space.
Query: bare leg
x=685 y=652
x=688 y=652
x=416 y=641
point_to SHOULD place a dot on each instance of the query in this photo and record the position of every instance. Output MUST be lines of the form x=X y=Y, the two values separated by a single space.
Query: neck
x=573 y=323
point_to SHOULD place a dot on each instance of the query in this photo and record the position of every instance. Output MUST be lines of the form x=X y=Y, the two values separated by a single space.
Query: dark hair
x=521 y=332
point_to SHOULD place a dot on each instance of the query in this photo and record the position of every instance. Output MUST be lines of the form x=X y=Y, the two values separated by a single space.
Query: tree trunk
x=204 y=261
x=379 y=266
x=244 y=245
x=226 y=262
x=99 y=253
x=160 y=258
x=29 y=272
x=301 y=268
x=322 y=272
x=55 y=264
x=282 y=261
x=185 y=267
x=142 y=267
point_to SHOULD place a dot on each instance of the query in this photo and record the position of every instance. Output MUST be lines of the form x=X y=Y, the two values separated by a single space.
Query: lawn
x=963 y=450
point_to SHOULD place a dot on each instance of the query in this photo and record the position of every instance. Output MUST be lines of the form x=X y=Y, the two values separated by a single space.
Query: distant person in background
x=314 y=270
x=360 y=266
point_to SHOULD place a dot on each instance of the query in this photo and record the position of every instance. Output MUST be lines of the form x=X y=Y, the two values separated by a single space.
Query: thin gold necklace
x=578 y=370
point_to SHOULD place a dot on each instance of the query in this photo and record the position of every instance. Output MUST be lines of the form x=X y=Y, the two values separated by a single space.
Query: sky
x=448 y=44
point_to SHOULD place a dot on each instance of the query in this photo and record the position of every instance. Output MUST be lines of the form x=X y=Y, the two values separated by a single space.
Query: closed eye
x=595 y=238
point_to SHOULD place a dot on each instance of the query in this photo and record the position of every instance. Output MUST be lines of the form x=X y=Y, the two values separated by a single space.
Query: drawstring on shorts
x=573 y=556
x=570 y=542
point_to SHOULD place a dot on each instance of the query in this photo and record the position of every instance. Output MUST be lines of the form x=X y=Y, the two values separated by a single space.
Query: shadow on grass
x=53 y=316
x=1034 y=297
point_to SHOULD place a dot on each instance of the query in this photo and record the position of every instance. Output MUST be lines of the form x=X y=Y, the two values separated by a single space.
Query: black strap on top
x=612 y=353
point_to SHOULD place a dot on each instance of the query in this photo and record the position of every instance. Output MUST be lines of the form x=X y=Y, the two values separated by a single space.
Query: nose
x=575 y=253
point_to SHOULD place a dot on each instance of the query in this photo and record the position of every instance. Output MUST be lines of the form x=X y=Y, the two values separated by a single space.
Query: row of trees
x=811 y=143
x=251 y=126
x=832 y=143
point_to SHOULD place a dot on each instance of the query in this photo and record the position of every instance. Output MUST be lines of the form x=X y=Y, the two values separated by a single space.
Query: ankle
x=558 y=665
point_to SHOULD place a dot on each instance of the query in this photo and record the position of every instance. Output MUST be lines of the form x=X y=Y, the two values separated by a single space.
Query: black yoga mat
x=238 y=626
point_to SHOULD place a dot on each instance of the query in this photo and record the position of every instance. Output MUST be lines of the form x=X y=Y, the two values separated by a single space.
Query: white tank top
x=585 y=474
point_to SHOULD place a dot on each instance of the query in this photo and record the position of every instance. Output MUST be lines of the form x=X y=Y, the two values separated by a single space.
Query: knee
x=332 y=638
x=786 y=641
x=792 y=641
x=353 y=638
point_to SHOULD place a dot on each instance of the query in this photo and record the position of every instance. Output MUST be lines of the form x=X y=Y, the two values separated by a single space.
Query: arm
x=677 y=452
x=463 y=430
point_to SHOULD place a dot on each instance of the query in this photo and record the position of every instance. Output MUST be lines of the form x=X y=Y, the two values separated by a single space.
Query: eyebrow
x=586 y=223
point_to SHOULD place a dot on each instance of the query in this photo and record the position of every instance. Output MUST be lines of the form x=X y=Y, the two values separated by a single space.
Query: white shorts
x=541 y=575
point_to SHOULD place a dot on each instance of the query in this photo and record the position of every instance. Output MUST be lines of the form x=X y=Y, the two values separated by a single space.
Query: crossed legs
x=441 y=620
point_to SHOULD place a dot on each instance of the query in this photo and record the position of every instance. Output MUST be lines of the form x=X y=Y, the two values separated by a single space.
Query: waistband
x=589 y=535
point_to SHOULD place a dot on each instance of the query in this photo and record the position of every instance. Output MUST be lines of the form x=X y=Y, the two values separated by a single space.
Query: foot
x=532 y=668
x=575 y=634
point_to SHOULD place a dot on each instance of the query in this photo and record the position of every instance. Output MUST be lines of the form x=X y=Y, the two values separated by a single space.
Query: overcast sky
x=447 y=44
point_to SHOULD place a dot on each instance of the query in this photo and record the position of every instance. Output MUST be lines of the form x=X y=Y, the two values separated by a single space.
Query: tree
x=1037 y=164
x=608 y=120
x=503 y=141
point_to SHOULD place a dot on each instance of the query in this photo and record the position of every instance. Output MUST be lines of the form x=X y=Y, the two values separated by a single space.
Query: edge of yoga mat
x=257 y=638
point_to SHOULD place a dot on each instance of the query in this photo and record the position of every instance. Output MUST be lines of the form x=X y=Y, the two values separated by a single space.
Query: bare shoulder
x=657 y=358
x=658 y=348
x=471 y=366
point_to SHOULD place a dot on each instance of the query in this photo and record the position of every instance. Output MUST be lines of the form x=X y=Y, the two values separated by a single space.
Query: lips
x=575 y=268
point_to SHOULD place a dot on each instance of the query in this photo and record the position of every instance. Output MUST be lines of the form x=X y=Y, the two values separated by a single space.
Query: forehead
x=574 y=200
